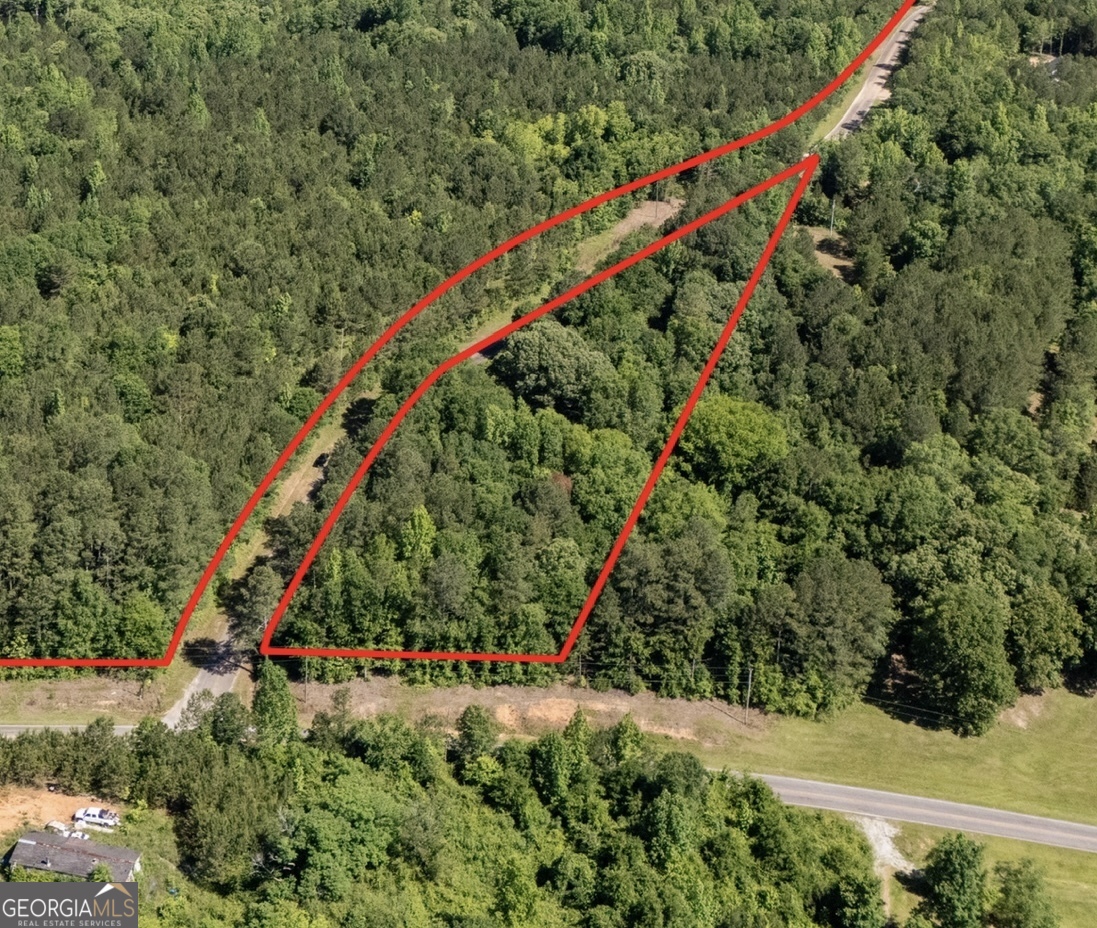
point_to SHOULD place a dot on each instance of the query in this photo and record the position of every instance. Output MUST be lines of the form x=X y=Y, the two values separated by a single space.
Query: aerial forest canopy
x=373 y=823
x=208 y=213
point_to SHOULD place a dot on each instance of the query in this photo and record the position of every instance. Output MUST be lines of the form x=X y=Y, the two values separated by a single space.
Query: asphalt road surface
x=218 y=675
x=953 y=815
x=875 y=86
x=10 y=731
x=854 y=800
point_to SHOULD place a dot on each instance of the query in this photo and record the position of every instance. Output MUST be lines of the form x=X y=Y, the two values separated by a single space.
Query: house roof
x=40 y=850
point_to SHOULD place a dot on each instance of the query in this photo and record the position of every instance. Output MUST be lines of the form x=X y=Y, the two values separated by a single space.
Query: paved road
x=953 y=815
x=218 y=675
x=875 y=88
x=853 y=800
x=10 y=731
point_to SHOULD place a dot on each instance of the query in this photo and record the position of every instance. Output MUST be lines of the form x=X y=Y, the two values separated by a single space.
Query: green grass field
x=1039 y=759
x=1071 y=875
x=1044 y=768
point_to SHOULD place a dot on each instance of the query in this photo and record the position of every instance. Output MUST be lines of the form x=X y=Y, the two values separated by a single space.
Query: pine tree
x=273 y=707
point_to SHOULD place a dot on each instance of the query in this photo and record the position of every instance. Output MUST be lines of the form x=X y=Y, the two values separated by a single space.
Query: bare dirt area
x=1023 y=711
x=831 y=251
x=887 y=858
x=31 y=808
x=881 y=836
x=534 y=710
x=650 y=213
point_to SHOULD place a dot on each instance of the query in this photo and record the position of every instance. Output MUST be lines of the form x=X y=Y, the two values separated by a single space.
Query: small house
x=70 y=856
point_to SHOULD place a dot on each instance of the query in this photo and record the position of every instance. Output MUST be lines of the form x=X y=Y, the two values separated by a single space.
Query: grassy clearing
x=76 y=700
x=1071 y=875
x=163 y=891
x=1044 y=768
x=592 y=251
x=838 y=107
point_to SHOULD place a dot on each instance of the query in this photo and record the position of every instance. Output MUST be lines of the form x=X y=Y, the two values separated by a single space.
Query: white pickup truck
x=94 y=815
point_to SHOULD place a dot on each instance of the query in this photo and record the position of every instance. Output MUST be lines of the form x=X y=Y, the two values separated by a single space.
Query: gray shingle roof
x=40 y=850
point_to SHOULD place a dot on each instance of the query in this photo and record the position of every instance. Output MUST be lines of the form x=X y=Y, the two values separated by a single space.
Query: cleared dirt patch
x=1023 y=711
x=29 y=809
x=881 y=836
x=831 y=251
x=533 y=711
x=650 y=213
x=887 y=858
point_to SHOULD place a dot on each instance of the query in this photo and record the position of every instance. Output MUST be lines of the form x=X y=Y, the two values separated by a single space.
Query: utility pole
x=832 y=199
x=750 y=682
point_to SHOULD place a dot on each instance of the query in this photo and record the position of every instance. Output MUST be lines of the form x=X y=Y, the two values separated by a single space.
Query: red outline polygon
x=804 y=169
x=351 y=375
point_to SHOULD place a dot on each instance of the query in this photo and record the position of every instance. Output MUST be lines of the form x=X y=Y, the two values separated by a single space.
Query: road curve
x=937 y=812
x=875 y=88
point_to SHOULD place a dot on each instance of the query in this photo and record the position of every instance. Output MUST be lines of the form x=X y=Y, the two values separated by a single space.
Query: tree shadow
x=913 y=881
x=238 y=600
x=834 y=246
x=358 y=415
x=1081 y=681
x=200 y=651
x=218 y=657
x=895 y=690
x=492 y=350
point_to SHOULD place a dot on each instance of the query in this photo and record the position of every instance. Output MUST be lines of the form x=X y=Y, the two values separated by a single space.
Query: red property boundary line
x=805 y=169
x=351 y=375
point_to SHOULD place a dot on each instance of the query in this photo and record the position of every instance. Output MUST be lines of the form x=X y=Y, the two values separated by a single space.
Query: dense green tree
x=229 y=720
x=726 y=438
x=259 y=598
x=840 y=626
x=956 y=882
x=961 y=656
x=1043 y=637
x=273 y=707
x=1022 y=900
x=476 y=734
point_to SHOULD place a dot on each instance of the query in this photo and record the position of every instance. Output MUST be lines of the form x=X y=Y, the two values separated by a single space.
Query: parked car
x=94 y=815
x=65 y=832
